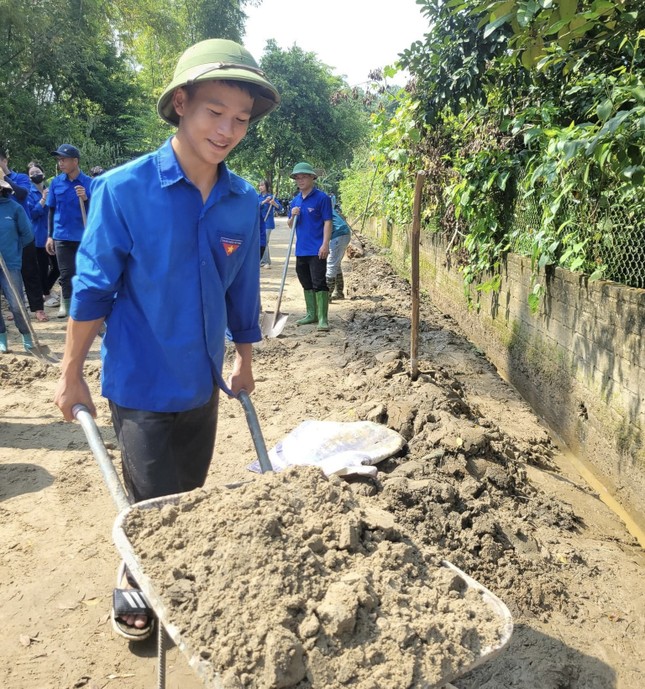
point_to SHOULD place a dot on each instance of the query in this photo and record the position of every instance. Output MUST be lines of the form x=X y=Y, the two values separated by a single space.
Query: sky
x=353 y=37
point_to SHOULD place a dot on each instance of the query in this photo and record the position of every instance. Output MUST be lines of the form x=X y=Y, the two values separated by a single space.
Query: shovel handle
x=83 y=211
x=286 y=267
x=18 y=299
x=82 y=415
x=256 y=431
x=268 y=211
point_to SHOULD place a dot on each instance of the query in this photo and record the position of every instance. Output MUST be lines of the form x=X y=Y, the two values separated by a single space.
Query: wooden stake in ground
x=415 y=239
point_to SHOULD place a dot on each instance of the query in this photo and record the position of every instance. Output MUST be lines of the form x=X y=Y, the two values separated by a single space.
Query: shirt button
x=203 y=263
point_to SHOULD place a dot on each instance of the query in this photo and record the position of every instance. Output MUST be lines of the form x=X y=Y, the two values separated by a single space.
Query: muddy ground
x=481 y=483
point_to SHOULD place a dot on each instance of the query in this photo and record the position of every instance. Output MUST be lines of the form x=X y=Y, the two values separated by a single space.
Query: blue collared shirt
x=38 y=215
x=310 y=230
x=267 y=211
x=171 y=274
x=62 y=197
x=15 y=232
x=20 y=179
x=339 y=225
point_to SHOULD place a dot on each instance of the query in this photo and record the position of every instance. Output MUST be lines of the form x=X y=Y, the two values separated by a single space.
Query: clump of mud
x=18 y=371
x=288 y=582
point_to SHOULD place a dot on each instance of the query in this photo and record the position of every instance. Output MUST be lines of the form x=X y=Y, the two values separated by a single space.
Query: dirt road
x=481 y=483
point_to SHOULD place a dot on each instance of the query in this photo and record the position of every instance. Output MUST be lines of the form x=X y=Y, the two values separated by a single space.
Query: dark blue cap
x=67 y=151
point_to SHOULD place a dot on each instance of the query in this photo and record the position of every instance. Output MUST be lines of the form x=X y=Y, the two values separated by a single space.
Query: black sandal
x=130 y=601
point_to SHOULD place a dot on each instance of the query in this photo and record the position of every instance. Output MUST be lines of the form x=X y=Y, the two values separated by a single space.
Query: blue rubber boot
x=3 y=343
x=27 y=342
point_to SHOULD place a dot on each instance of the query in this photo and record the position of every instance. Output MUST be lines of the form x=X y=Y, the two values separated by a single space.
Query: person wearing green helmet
x=313 y=209
x=169 y=262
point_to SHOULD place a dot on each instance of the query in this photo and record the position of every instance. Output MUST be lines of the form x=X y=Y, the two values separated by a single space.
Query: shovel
x=41 y=352
x=83 y=211
x=273 y=322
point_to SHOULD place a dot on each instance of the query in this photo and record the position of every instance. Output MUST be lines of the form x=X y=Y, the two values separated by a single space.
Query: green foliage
x=90 y=72
x=523 y=105
x=313 y=121
x=362 y=187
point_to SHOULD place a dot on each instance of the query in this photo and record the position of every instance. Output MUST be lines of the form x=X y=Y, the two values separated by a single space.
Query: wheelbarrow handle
x=256 y=431
x=95 y=441
x=93 y=435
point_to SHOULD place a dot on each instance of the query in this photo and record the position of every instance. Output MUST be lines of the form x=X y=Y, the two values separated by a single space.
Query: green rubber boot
x=3 y=343
x=63 y=310
x=312 y=315
x=322 y=300
x=331 y=284
x=340 y=286
x=27 y=342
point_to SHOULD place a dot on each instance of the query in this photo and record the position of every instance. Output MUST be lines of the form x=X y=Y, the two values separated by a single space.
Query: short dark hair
x=34 y=163
x=3 y=153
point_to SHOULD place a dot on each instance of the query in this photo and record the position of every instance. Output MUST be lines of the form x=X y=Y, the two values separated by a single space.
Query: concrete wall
x=579 y=361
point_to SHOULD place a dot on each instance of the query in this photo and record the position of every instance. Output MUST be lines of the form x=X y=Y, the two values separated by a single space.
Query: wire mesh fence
x=611 y=236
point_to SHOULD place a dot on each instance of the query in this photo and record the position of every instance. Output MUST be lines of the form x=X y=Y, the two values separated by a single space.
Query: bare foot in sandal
x=41 y=316
x=132 y=616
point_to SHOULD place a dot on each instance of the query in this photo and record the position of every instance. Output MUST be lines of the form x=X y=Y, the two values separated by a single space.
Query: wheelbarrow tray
x=203 y=668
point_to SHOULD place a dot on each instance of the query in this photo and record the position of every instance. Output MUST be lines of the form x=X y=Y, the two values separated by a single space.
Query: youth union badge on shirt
x=230 y=245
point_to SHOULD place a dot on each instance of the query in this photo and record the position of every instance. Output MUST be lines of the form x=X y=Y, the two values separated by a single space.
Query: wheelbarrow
x=165 y=625
x=114 y=485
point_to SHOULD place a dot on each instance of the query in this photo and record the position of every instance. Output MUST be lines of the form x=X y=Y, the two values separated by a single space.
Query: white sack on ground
x=340 y=448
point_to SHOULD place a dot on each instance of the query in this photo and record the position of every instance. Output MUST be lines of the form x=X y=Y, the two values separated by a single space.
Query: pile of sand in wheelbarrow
x=288 y=582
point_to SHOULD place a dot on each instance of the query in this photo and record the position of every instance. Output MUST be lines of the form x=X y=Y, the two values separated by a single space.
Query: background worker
x=21 y=184
x=340 y=237
x=170 y=277
x=67 y=200
x=47 y=264
x=268 y=205
x=15 y=234
x=313 y=209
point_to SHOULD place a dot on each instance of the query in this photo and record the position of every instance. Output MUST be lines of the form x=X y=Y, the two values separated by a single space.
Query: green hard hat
x=218 y=58
x=303 y=169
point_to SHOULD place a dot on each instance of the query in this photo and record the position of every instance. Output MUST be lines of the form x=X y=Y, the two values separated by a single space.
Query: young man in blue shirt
x=313 y=209
x=20 y=183
x=169 y=262
x=68 y=195
x=15 y=234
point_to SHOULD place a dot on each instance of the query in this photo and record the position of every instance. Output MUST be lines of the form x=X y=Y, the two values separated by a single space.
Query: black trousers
x=311 y=273
x=31 y=278
x=48 y=268
x=66 y=255
x=163 y=453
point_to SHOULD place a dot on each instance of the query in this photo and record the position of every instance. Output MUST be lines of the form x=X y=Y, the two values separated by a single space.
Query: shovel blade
x=44 y=354
x=273 y=323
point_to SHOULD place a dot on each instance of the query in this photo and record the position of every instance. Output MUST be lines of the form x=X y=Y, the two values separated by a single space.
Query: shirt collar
x=170 y=172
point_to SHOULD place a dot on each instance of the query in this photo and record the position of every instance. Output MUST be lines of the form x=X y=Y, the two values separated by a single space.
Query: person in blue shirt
x=47 y=264
x=340 y=238
x=169 y=262
x=313 y=209
x=67 y=201
x=20 y=183
x=268 y=205
x=15 y=234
